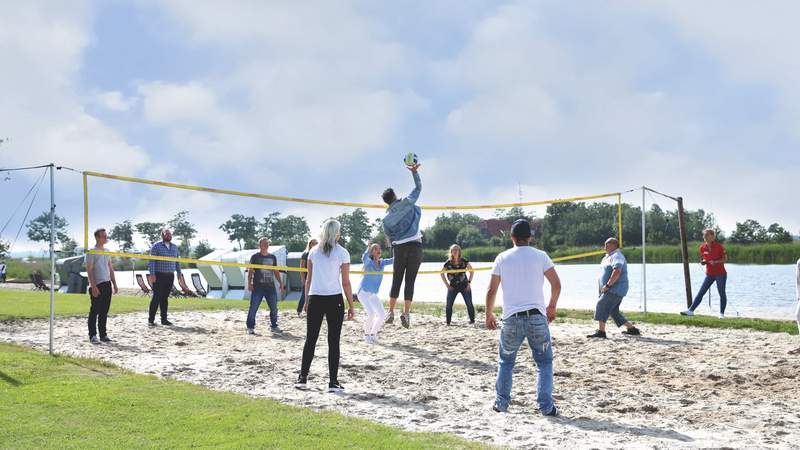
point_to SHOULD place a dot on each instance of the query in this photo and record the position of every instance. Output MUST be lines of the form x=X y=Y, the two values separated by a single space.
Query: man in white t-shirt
x=521 y=272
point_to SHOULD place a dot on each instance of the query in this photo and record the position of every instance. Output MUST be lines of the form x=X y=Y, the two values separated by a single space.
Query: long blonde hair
x=450 y=252
x=329 y=235
x=371 y=250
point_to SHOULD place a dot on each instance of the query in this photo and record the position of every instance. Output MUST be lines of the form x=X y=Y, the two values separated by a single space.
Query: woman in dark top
x=458 y=282
x=304 y=265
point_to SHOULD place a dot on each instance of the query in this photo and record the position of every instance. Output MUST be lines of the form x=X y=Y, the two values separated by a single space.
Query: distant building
x=494 y=227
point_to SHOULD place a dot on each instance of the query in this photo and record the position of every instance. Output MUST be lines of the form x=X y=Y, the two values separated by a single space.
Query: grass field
x=64 y=402
x=30 y=305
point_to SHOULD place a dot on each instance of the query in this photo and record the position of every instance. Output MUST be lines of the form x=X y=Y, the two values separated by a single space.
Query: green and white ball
x=410 y=159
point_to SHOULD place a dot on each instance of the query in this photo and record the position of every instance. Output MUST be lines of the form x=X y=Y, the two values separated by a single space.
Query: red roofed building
x=494 y=227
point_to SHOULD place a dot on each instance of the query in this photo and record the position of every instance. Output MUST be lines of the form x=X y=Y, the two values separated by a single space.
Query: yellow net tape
x=318 y=202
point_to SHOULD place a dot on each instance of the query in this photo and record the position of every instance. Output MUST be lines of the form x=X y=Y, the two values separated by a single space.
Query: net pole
x=685 y=253
x=85 y=212
x=644 y=253
x=619 y=218
x=52 y=256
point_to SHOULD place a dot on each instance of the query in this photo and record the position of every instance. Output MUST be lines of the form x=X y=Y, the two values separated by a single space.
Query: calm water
x=753 y=291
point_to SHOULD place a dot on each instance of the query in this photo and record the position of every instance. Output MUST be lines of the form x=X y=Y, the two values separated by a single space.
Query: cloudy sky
x=322 y=99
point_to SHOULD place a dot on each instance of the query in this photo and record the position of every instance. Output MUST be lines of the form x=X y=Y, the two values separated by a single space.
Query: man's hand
x=283 y=287
x=151 y=279
x=116 y=289
x=551 y=313
x=604 y=289
x=491 y=321
x=350 y=314
x=95 y=291
x=305 y=306
x=414 y=168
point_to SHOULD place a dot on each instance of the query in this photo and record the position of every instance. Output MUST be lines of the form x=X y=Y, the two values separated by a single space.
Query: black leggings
x=332 y=308
x=407 y=259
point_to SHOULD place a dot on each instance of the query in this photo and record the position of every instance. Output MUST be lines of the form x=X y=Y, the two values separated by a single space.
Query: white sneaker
x=251 y=331
x=368 y=339
x=94 y=340
x=688 y=312
x=721 y=315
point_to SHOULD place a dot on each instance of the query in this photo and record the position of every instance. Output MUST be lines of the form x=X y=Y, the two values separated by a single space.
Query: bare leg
x=406 y=307
x=601 y=326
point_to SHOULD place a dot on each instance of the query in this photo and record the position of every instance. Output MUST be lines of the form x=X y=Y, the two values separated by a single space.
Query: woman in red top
x=713 y=257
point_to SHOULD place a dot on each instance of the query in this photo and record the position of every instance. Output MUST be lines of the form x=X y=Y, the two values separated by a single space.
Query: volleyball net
x=613 y=209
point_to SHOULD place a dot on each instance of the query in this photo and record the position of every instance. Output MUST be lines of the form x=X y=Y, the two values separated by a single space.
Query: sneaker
x=497 y=410
x=299 y=313
x=597 y=334
x=688 y=312
x=105 y=339
x=335 y=387
x=251 y=331
x=166 y=323
x=150 y=323
x=632 y=331
x=390 y=318
x=94 y=340
x=721 y=315
x=301 y=383
x=405 y=320
x=368 y=339
x=553 y=412
x=276 y=329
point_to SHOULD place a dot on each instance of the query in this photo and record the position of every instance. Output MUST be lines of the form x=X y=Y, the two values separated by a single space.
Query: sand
x=674 y=387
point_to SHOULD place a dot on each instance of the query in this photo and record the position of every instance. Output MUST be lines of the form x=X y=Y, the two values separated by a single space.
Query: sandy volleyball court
x=673 y=387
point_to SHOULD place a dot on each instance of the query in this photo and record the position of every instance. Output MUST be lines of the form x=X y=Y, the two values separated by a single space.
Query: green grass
x=64 y=402
x=775 y=326
x=18 y=304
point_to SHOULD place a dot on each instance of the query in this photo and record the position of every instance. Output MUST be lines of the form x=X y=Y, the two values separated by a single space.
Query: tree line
x=564 y=225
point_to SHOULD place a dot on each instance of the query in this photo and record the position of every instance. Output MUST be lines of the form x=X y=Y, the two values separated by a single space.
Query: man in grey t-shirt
x=101 y=281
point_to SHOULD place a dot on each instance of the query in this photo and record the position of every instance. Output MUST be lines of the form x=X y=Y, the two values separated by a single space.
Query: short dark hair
x=389 y=196
x=98 y=231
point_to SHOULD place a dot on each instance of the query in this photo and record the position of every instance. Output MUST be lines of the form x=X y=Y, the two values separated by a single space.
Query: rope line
x=300 y=269
x=338 y=203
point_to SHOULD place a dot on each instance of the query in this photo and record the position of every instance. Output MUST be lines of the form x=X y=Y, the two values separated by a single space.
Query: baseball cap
x=521 y=229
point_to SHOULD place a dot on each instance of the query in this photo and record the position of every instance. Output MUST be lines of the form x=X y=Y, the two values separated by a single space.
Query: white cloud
x=114 y=100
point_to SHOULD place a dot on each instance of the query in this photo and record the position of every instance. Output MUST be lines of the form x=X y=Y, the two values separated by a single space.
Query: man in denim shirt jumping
x=521 y=271
x=401 y=226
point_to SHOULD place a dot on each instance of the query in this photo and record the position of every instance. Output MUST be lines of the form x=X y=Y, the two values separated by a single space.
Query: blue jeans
x=258 y=294
x=710 y=279
x=451 y=299
x=536 y=331
x=608 y=306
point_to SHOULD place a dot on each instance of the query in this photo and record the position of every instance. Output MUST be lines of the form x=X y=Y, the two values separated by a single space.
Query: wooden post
x=684 y=253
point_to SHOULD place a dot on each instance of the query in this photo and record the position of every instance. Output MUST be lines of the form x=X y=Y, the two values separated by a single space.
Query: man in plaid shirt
x=162 y=276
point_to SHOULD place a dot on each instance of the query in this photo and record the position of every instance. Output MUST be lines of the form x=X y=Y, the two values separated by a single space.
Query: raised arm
x=414 y=195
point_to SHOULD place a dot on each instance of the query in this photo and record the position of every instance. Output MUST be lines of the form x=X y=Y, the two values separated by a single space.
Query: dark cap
x=521 y=229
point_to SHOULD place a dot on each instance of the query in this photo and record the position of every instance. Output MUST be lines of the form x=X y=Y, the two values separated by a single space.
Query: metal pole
x=644 y=251
x=684 y=253
x=52 y=255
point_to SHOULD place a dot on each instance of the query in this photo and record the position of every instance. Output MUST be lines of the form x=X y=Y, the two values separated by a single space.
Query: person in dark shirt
x=261 y=284
x=304 y=265
x=458 y=283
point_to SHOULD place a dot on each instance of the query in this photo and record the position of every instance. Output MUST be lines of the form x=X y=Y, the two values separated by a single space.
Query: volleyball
x=410 y=159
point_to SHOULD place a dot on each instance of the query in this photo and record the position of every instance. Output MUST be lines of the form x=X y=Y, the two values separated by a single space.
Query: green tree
x=470 y=236
x=779 y=235
x=356 y=230
x=242 y=230
x=39 y=228
x=150 y=231
x=291 y=231
x=202 y=249
x=68 y=247
x=749 y=232
x=511 y=215
x=183 y=229
x=378 y=236
x=444 y=231
x=5 y=247
x=122 y=234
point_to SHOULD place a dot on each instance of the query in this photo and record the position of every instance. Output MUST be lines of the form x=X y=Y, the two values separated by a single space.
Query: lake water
x=762 y=291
